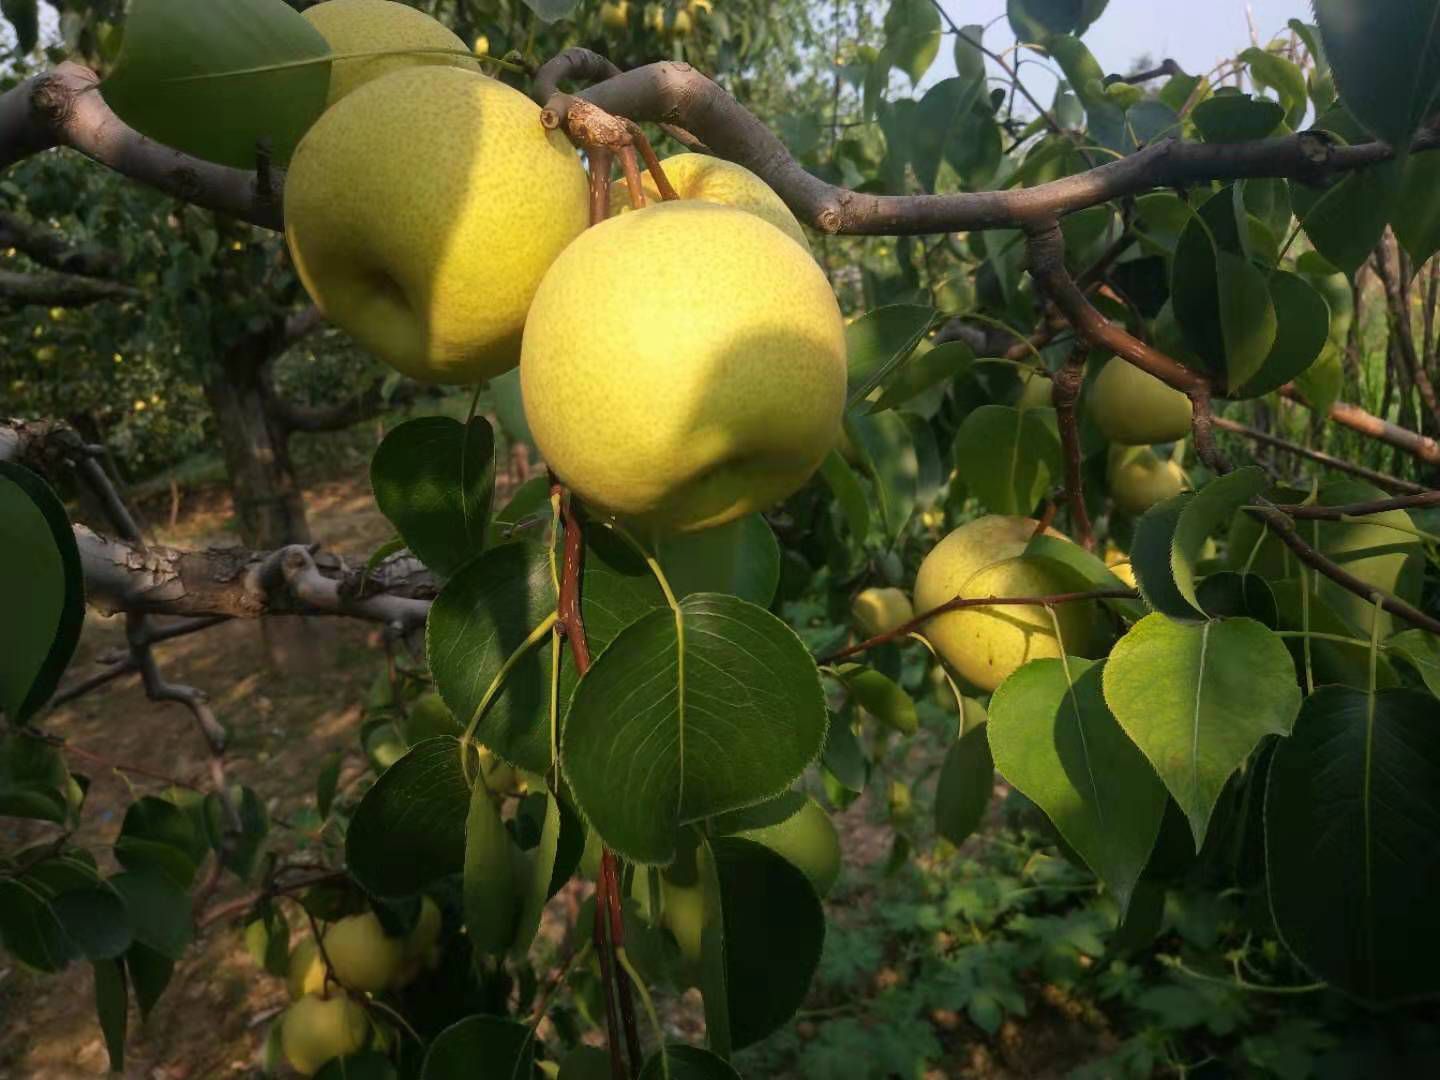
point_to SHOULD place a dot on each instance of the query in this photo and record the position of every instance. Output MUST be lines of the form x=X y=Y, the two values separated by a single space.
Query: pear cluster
x=681 y=364
x=328 y=1016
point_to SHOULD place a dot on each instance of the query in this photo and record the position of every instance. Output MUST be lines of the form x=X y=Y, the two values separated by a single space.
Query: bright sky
x=1196 y=33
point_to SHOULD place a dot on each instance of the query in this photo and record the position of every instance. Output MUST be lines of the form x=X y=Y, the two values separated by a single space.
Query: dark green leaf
x=685 y=1063
x=33 y=778
x=1415 y=215
x=965 y=787
x=1386 y=61
x=886 y=450
x=326 y=781
x=550 y=11
x=880 y=340
x=926 y=369
x=505 y=1046
x=1198 y=699
x=1228 y=595
x=1056 y=741
x=687 y=714
x=1352 y=841
x=1150 y=553
x=1345 y=221
x=158 y=835
x=96 y=919
x=366 y=1065
x=43 y=586
x=409 y=829
x=912 y=36
x=1202 y=516
x=186 y=77
x=112 y=1007
x=1422 y=652
x=490 y=892
x=741 y=558
x=845 y=486
x=434 y=478
x=149 y=973
x=24 y=16
x=1303 y=326
x=159 y=910
x=1009 y=458
x=1233 y=118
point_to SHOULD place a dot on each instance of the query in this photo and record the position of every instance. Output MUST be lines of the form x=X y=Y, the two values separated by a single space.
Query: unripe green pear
x=353 y=26
x=307 y=970
x=429 y=716
x=879 y=611
x=715 y=180
x=315 y=1029
x=677 y=405
x=986 y=644
x=1133 y=407
x=796 y=828
x=384 y=746
x=1139 y=478
x=362 y=955
x=422 y=212
x=1036 y=391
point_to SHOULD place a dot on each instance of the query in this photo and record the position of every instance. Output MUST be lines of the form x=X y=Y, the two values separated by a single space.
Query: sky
x=1195 y=33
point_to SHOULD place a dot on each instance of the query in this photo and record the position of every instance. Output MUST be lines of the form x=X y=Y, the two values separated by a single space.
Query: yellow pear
x=422 y=212
x=362 y=955
x=1133 y=407
x=712 y=390
x=1139 y=478
x=715 y=180
x=315 y=1029
x=879 y=611
x=353 y=26
x=615 y=16
x=798 y=829
x=307 y=970
x=986 y=644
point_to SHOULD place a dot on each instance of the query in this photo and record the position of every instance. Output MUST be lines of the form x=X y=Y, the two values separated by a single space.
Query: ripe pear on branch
x=317 y=1028
x=356 y=26
x=986 y=644
x=683 y=366
x=1134 y=408
x=1138 y=478
x=422 y=211
x=880 y=611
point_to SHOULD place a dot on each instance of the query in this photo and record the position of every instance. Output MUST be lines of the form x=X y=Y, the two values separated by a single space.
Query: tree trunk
x=269 y=505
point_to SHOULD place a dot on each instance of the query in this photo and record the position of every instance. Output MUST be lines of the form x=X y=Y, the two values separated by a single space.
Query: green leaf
x=1202 y=516
x=1247 y=317
x=505 y=1046
x=1056 y=741
x=879 y=341
x=488 y=610
x=585 y=1063
x=43 y=586
x=550 y=11
x=112 y=1007
x=1345 y=221
x=926 y=369
x=1415 y=216
x=689 y=713
x=1273 y=71
x=843 y=756
x=489 y=886
x=886 y=450
x=159 y=911
x=1235 y=118
x=772 y=930
x=1352 y=841
x=685 y=1063
x=536 y=887
x=912 y=36
x=1303 y=327
x=434 y=478
x=33 y=778
x=24 y=16
x=1034 y=20
x=186 y=77
x=950 y=127
x=845 y=486
x=1422 y=652
x=1386 y=61
x=96 y=919
x=366 y=1065
x=880 y=697
x=965 y=787
x=1009 y=458
x=1198 y=699
x=243 y=848
x=409 y=829
x=1323 y=382
x=1227 y=595
x=149 y=973
x=1151 y=552
x=741 y=558
x=157 y=835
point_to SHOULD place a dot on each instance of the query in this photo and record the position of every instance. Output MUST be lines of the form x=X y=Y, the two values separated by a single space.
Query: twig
x=1384 y=480
x=1421 y=447
x=1360 y=509
x=1064 y=392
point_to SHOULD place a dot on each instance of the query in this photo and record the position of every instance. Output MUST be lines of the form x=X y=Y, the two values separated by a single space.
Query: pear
x=1036 y=391
x=315 y=1029
x=362 y=955
x=1134 y=408
x=615 y=16
x=713 y=179
x=879 y=611
x=353 y=26
x=985 y=645
x=1138 y=478
x=684 y=366
x=307 y=970
x=422 y=212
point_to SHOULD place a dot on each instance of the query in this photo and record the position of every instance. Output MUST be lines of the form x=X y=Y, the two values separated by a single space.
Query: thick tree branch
x=676 y=93
x=63 y=108
x=1064 y=394
x=60 y=290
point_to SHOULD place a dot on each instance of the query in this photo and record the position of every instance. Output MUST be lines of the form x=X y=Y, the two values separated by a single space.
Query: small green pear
x=1133 y=407
x=362 y=955
x=1139 y=478
x=879 y=611
x=315 y=1029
